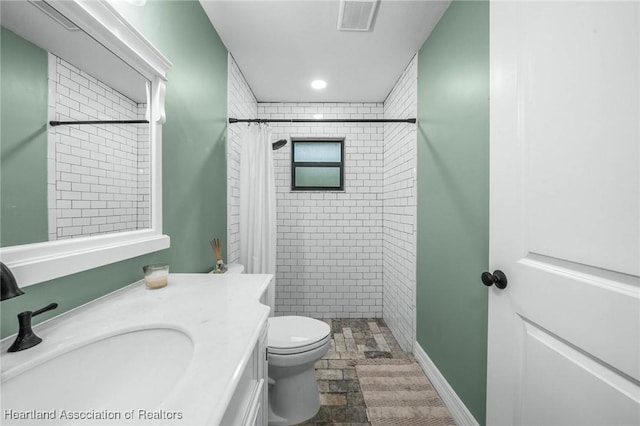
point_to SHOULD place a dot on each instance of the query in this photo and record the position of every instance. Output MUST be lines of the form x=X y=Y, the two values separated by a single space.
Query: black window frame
x=301 y=164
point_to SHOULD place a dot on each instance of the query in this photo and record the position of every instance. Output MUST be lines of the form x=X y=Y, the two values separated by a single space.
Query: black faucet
x=26 y=337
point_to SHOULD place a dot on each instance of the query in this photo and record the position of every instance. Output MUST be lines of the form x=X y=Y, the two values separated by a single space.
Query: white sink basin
x=132 y=370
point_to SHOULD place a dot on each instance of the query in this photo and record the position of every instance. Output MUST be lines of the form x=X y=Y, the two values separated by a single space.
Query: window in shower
x=317 y=164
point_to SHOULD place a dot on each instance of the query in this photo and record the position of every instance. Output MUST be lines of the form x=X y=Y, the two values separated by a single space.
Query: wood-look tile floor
x=340 y=394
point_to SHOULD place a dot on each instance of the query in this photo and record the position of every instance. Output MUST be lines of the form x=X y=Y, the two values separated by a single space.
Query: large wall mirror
x=82 y=108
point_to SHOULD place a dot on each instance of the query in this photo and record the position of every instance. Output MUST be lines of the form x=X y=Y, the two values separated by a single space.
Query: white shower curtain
x=257 y=202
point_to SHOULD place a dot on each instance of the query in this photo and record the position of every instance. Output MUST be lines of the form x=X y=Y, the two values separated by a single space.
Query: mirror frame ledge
x=39 y=262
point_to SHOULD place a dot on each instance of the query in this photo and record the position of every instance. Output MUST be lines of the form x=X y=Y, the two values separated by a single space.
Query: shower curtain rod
x=322 y=120
x=72 y=123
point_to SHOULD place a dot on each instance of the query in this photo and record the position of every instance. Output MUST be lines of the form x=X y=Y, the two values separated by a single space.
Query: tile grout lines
x=353 y=341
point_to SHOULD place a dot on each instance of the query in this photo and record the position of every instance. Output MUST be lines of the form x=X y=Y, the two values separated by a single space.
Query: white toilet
x=295 y=344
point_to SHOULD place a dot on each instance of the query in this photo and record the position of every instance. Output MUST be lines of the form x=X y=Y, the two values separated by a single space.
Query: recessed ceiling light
x=317 y=116
x=318 y=84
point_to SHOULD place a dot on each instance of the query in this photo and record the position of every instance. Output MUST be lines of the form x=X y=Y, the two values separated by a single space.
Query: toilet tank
x=268 y=297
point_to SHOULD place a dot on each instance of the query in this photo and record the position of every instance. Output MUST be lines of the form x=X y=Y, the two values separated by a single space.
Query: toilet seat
x=293 y=334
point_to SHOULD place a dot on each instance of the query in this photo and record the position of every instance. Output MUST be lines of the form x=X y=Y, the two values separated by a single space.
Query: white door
x=564 y=335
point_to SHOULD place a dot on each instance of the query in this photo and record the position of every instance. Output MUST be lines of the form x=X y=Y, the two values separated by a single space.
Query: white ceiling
x=281 y=46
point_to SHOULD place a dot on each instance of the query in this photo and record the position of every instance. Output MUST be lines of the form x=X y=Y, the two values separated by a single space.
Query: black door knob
x=498 y=278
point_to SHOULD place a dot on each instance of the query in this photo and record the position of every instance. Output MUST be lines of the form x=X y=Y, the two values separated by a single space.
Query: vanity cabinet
x=249 y=403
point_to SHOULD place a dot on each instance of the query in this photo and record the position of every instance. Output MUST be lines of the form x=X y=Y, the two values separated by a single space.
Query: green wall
x=194 y=162
x=453 y=199
x=23 y=141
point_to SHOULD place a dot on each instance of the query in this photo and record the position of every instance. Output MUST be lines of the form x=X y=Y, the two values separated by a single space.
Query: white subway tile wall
x=399 y=219
x=241 y=103
x=98 y=174
x=329 y=255
x=342 y=253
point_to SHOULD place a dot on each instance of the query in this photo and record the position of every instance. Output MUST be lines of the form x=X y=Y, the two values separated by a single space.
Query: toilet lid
x=293 y=334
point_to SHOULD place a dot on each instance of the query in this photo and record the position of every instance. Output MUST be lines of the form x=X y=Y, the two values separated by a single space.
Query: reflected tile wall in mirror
x=99 y=174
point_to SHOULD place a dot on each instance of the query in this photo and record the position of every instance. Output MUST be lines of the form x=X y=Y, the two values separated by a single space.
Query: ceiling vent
x=357 y=15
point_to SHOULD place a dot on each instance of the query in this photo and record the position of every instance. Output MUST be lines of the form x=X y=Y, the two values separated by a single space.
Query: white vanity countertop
x=221 y=313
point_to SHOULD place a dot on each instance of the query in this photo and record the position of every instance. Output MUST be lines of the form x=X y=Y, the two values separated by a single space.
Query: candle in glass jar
x=156 y=276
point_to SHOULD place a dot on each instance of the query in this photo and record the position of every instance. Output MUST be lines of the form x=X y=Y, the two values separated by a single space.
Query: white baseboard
x=458 y=410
